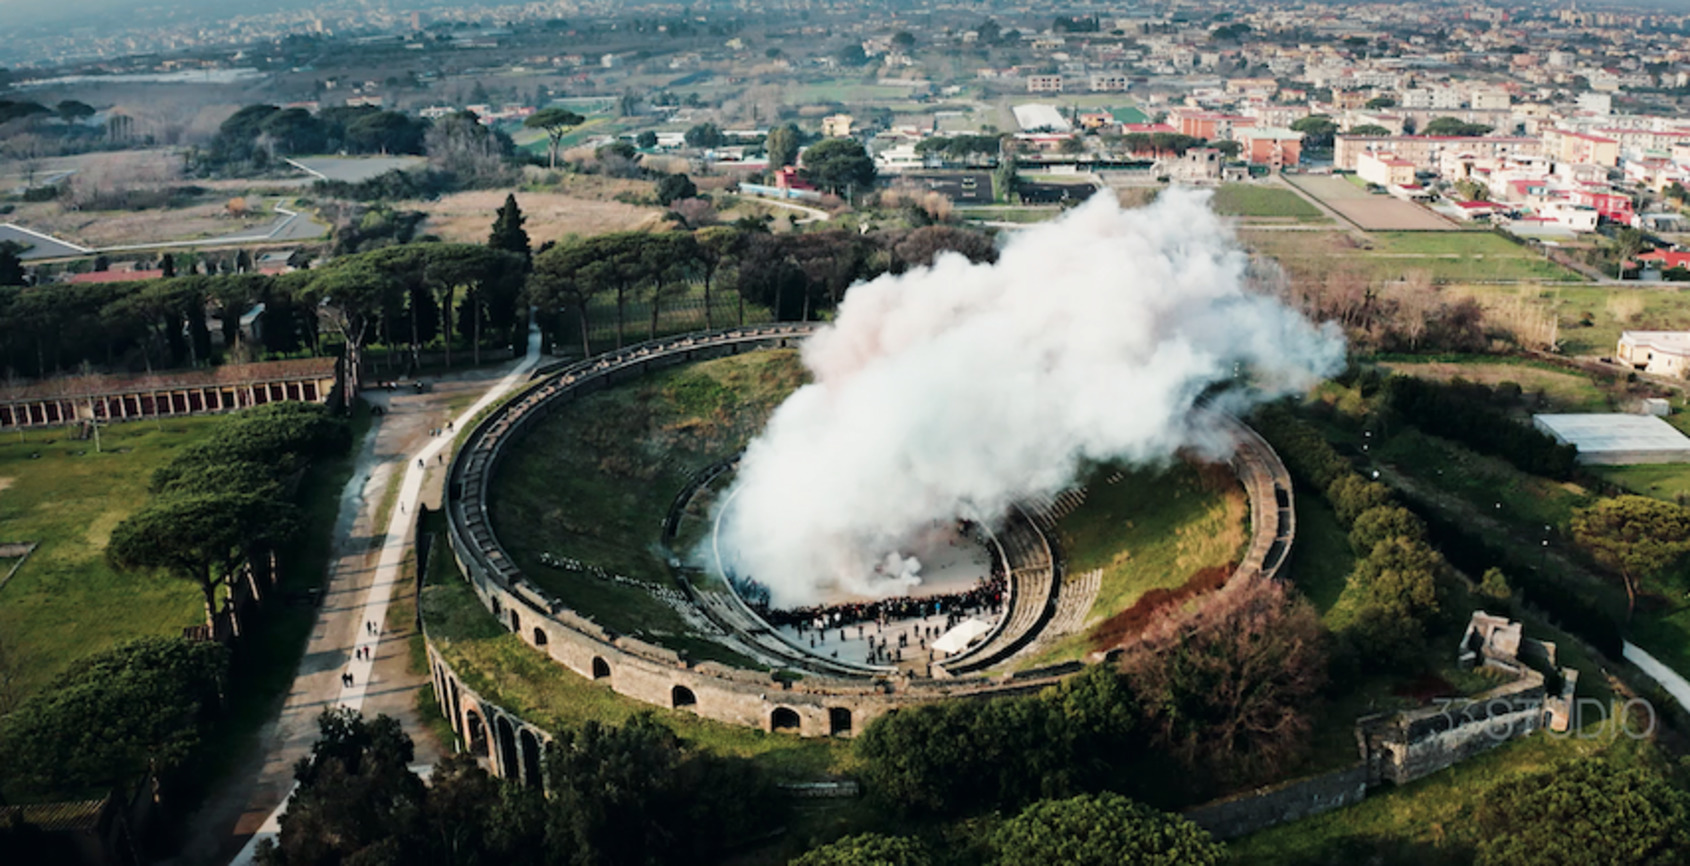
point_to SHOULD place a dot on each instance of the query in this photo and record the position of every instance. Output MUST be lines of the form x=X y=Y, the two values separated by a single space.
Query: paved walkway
x=362 y=586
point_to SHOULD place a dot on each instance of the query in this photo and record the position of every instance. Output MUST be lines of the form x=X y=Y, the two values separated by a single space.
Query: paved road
x=37 y=245
x=366 y=576
x=289 y=225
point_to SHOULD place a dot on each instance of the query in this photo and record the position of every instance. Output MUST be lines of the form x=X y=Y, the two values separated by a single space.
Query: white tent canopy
x=960 y=637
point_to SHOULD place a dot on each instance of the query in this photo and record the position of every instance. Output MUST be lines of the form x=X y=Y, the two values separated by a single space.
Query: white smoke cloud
x=956 y=390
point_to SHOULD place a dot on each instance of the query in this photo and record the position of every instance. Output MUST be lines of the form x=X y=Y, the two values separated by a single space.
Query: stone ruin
x=1405 y=746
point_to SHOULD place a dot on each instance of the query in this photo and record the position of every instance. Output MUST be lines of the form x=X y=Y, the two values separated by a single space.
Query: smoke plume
x=956 y=390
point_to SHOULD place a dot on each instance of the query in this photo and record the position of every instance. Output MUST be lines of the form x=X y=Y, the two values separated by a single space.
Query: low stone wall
x=1417 y=743
x=1243 y=814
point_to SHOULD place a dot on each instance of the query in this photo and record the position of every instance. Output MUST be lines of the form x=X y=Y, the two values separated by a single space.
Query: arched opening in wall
x=457 y=718
x=508 y=760
x=784 y=719
x=601 y=668
x=539 y=636
x=681 y=696
x=516 y=623
x=838 y=721
x=477 y=734
x=531 y=760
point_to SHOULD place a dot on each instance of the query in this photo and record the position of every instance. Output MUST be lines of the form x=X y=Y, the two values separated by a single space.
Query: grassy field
x=520 y=678
x=1443 y=257
x=1429 y=821
x=844 y=90
x=1565 y=390
x=67 y=602
x=1608 y=311
x=1249 y=200
x=1485 y=482
x=552 y=216
x=1321 y=561
x=1149 y=530
x=594 y=480
x=1668 y=481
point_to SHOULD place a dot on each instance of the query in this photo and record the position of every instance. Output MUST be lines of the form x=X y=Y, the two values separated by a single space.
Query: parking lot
x=969 y=187
x=1054 y=193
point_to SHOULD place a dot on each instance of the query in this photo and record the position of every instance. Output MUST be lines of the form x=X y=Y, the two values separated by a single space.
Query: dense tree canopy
x=840 y=166
x=867 y=849
x=1102 y=830
x=782 y=145
x=1591 y=811
x=200 y=536
x=1454 y=126
x=1636 y=537
x=114 y=716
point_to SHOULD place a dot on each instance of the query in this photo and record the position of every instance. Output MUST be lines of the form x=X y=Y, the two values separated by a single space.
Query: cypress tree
x=508 y=233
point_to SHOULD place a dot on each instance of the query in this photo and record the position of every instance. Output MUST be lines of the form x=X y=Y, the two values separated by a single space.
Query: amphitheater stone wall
x=813 y=705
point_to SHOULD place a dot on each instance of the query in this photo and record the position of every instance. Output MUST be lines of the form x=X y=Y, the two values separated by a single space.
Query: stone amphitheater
x=831 y=698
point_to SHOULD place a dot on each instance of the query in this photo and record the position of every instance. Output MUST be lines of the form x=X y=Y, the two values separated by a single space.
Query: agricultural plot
x=466 y=217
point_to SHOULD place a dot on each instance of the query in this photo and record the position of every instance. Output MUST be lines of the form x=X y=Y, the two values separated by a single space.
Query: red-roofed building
x=1472 y=210
x=1666 y=260
x=113 y=276
x=1208 y=125
x=1612 y=206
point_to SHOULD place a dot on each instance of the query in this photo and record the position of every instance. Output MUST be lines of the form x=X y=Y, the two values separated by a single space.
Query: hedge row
x=1463 y=412
x=1577 y=613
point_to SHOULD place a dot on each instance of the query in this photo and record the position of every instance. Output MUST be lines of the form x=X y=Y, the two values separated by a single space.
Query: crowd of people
x=986 y=596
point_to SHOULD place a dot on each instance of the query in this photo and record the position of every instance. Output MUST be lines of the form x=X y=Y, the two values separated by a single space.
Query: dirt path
x=372 y=538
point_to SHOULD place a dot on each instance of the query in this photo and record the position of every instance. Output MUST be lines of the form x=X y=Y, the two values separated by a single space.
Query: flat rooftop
x=1614 y=438
x=1040 y=116
x=1674 y=342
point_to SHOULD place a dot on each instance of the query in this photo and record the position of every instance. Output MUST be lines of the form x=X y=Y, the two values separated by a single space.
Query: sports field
x=1367 y=210
x=1252 y=200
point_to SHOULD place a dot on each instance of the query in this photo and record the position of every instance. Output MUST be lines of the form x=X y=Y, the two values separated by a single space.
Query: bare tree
x=1229 y=684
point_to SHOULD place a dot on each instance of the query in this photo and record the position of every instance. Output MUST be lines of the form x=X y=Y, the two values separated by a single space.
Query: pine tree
x=508 y=233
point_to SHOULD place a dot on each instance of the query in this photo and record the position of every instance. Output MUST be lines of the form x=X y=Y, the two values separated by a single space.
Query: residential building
x=1664 y=353
x=1581 y=148
x=1425 y=151
x=837 y=126
x=1110 y=81
x=1385 y=169
x=1273 y=147
x=1044 y=84
x=1208 y=125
